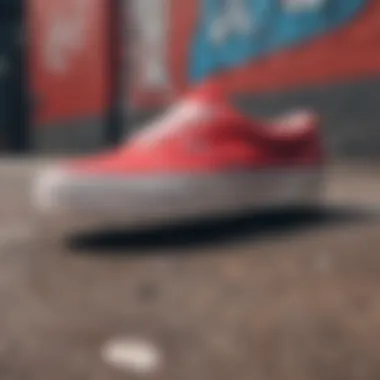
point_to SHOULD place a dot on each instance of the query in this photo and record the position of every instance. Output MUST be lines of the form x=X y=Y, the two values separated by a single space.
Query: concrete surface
x=262 y=297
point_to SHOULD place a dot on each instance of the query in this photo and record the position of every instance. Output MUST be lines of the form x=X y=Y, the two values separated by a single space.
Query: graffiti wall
x=68 y=54
x=251 y=45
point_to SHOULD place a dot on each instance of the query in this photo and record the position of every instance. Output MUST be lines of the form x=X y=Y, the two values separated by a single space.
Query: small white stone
x=134 y=355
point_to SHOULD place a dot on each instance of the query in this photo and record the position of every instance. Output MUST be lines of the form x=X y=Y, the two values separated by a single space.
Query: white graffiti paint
x=235 y=18
x=151 y=20
x=68 y=26
x=303 y=5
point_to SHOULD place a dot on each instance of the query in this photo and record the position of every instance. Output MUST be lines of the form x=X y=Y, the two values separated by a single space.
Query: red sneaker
x=200 y=158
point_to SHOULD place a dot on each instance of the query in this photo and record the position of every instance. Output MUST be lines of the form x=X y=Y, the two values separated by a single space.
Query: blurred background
x=264 y=297
x=72 y=71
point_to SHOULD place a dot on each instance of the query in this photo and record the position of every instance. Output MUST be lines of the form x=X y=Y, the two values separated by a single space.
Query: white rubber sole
x=80 y=202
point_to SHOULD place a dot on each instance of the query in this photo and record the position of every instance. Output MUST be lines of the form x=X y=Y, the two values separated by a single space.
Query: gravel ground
x=279 y=296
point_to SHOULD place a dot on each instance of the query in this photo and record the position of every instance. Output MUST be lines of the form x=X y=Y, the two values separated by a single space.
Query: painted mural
x=255 y=45
x=234 y=32
x=67 y=30
x=68 y=61
x=149 y=49
x=149 y=44
x=170 y=45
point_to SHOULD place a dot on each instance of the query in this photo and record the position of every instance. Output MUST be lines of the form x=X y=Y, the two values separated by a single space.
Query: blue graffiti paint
x=229 y=37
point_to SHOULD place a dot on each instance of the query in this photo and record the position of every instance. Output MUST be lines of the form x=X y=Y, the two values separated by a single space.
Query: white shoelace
x=184 y=115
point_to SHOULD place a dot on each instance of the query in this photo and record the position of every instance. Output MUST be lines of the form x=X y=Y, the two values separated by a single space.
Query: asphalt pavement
x=276 y=296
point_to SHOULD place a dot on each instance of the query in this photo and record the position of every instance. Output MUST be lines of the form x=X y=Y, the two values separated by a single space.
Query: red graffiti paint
x=68 y=58
x=70 y=73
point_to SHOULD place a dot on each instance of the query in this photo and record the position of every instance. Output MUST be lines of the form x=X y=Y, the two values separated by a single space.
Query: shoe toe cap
x=50 y=189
